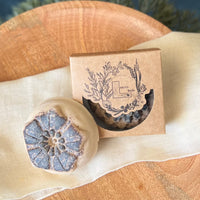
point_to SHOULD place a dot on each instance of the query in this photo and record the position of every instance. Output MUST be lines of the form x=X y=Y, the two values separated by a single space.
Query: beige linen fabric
x=181 y=80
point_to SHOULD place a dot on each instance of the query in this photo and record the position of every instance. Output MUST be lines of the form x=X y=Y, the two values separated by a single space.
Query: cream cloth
x=181 y=80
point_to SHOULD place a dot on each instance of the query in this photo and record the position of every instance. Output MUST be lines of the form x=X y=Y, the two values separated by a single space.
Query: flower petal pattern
x=33 y=131
x=43 y=121
x=56 y=121
x=53 y=142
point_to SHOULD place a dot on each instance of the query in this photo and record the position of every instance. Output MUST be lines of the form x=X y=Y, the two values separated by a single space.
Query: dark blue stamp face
x=53 y=142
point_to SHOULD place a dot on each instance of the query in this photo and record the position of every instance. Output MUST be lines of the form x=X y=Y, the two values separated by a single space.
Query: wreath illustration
x=100 y=86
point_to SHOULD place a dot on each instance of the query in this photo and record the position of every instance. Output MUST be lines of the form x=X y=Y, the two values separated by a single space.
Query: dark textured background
x=6 y=5
x=175 y=14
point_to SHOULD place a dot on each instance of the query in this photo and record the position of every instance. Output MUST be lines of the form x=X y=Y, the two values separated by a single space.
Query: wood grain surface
x=42 y=39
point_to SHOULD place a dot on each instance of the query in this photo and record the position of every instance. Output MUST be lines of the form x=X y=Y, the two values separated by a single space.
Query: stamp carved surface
x=53 y=142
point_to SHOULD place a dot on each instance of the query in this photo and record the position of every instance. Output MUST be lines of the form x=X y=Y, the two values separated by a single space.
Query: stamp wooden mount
x=122 y=91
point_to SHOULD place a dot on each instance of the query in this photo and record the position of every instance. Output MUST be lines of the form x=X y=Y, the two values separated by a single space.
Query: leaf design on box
x=101 y=88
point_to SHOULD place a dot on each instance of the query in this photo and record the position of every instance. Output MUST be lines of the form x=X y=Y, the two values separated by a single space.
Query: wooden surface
x=171 y=180
x=43 y=39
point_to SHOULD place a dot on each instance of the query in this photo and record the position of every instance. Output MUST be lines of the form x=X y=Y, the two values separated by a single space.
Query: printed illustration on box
x=117 y=94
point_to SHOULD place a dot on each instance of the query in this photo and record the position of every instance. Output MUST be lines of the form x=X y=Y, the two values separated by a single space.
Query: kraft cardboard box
x=122 y=90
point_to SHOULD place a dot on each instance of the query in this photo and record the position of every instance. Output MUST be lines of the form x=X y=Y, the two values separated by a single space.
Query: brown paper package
x=122 y=90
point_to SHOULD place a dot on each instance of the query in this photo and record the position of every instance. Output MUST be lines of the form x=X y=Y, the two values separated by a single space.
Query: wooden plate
x=42 y=39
